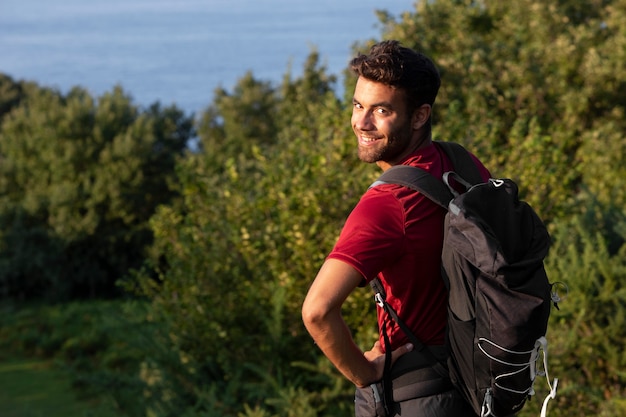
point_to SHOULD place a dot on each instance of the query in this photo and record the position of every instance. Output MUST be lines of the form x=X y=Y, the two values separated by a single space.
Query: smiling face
x=381 y=121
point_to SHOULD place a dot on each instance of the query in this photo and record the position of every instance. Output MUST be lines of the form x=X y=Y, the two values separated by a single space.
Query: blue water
x=178 y=51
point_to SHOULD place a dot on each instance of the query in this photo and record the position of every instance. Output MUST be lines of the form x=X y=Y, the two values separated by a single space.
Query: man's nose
x=363 y=121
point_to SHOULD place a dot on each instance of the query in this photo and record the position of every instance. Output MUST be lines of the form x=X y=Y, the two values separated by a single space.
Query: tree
x=10 y=94
x=530 y=86
x=235 y=122
x=535 y=88
x=79 y=181
x=588 y=260
x=235 y=258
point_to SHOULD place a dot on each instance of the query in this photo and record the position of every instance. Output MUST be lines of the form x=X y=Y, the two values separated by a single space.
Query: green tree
x=235 y=122
x=78 y=182
x=276 y=176
x=236 y=258
x=11 y=93
x=587 y=334
x=531 y=86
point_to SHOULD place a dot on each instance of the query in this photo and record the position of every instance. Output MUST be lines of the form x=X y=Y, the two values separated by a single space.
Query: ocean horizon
x=178 y=52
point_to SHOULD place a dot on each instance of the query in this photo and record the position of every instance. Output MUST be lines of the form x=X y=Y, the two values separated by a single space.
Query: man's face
x=380 y=121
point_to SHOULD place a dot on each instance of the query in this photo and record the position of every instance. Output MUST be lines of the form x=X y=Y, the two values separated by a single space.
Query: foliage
x=533 y=87
x=245 y=117
x=10 y=94
x=78 y=182
x=237 y=257
x=33 y=387
x=589 y=256
x=255 y=224
x=98 y=345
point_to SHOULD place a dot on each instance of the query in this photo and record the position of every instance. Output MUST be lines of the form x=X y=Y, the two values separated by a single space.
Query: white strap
x=486 y=408
x=553 y=386
x=552 y=395
x=514 y=352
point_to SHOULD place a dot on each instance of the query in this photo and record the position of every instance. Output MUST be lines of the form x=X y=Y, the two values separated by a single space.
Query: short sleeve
x=373 y=234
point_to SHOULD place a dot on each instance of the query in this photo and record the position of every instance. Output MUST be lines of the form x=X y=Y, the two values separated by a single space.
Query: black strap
x=418 y=346
x=419 y=180
x=386 y=381
x=462 y=162
x=433 y=188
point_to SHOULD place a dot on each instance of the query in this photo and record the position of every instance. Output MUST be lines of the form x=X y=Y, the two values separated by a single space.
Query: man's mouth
x=367 y=140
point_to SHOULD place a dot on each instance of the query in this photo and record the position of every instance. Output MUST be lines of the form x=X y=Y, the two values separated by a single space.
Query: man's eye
x=381 y=111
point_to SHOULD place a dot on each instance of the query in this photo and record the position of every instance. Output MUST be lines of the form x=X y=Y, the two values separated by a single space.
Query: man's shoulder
x=380 y=198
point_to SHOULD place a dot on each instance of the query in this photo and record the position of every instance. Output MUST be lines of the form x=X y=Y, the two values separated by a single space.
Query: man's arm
x=321 y=313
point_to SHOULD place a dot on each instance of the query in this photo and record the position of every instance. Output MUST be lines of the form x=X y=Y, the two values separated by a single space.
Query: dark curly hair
x=400 y=67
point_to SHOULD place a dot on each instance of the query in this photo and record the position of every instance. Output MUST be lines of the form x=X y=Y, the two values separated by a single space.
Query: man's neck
x=420 y=143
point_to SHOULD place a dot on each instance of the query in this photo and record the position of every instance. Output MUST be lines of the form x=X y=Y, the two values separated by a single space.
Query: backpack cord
x=418 y=346
x=382 y=302
x=386 y=381
x=544 y=346
x=541 y=345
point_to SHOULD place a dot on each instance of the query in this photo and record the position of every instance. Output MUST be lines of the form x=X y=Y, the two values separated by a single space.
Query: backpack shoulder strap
x=381 y=300
x=419 y=180
x=462 y=162
x=438 y=191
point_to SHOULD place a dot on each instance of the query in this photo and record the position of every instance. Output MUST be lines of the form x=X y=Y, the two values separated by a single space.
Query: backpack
x=499 y=294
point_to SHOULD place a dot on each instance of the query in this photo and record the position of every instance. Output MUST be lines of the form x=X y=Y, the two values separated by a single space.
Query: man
x=393 y=233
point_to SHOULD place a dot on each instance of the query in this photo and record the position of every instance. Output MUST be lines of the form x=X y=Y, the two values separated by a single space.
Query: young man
x=393 y=233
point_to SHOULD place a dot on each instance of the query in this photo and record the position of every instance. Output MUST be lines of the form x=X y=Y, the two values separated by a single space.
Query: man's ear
x=421 y=116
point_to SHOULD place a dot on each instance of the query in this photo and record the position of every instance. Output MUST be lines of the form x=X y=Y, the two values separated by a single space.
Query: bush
x=587 y=334
x=99 y=344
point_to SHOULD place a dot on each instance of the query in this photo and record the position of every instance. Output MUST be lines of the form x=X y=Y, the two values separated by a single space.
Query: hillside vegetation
x=171 y=277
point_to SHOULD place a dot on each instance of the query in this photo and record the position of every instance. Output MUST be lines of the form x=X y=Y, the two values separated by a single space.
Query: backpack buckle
x=497 y=182
x=487 y=402
x=379 y=300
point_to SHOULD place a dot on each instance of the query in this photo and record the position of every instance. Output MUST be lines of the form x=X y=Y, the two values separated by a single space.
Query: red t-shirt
x=397 y=234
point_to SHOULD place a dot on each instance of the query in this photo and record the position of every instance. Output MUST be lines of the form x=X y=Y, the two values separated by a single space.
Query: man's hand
x=376 y=356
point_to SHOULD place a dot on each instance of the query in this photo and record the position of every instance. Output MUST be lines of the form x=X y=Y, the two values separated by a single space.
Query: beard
x=373 y=154
x=386 y=149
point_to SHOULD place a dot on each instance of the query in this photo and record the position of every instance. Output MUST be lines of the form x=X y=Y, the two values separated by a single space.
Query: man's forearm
x=321 y=313
x=333 y=337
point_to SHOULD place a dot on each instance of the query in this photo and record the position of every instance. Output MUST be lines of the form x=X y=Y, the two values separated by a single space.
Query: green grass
x=34 y=388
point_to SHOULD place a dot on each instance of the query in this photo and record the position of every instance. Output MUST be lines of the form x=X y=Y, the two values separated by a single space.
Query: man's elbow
x=314 y=315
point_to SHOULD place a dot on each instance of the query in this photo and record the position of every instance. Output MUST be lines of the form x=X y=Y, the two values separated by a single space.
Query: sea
x=179 y=51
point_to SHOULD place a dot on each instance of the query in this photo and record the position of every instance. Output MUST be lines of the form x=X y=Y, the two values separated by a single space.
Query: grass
x=71 y=360
x=34 y=388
